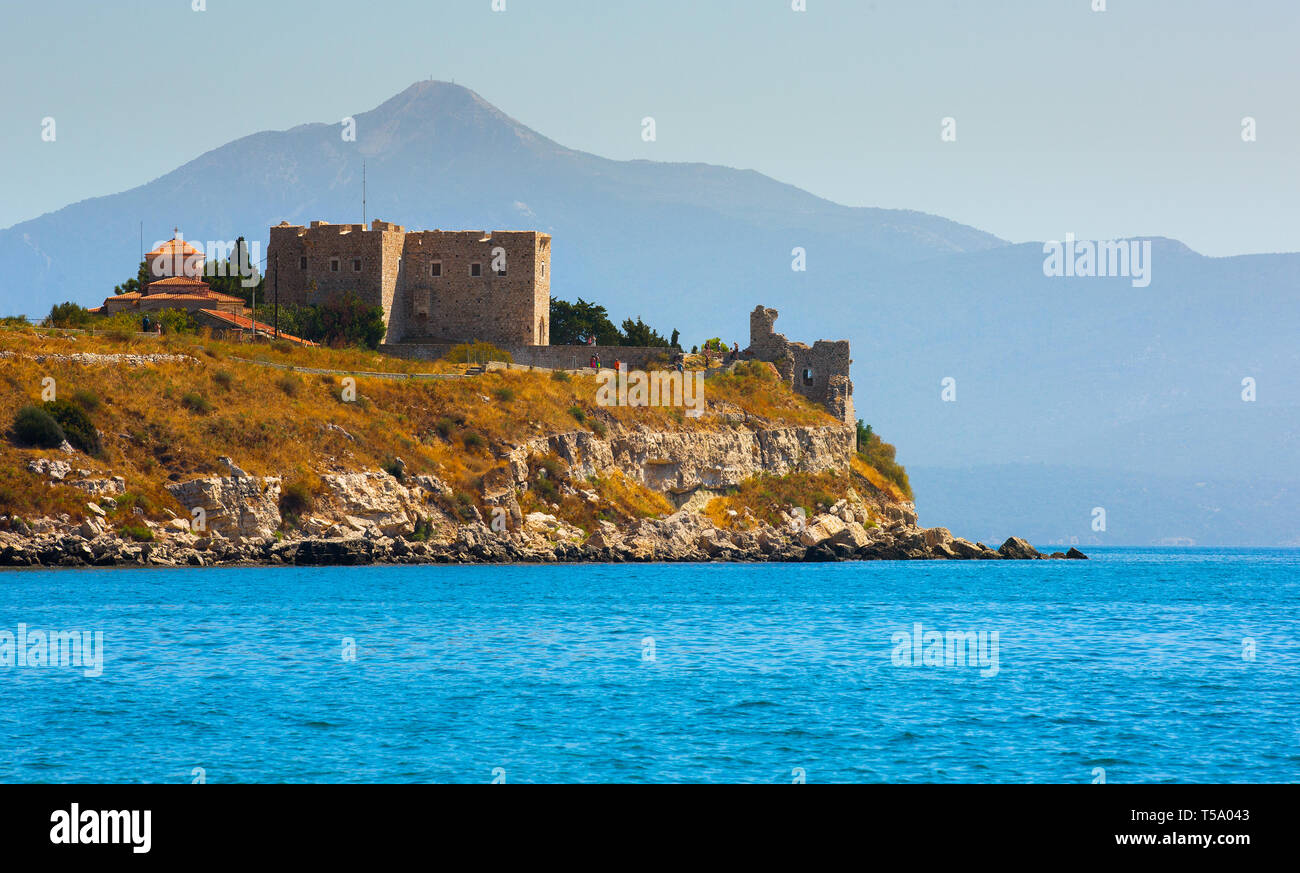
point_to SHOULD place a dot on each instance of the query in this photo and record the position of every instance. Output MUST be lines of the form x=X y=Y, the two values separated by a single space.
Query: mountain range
x=1087 y=387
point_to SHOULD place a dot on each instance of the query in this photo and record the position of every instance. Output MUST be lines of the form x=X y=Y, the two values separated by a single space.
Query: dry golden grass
x=886 y=487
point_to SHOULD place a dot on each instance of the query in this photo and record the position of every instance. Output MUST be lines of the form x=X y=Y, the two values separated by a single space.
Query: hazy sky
x=1104 y=124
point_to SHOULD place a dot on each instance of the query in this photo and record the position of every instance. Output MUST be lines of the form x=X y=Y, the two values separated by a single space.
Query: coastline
x=683 y=538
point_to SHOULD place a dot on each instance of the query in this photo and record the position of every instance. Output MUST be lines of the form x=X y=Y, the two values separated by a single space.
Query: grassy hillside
x=171 y=421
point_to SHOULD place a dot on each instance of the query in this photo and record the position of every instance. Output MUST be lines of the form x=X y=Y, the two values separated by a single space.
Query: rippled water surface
x=1138 y=663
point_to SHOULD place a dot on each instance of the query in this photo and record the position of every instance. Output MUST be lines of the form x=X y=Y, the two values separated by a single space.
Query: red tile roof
x=245 y=323
x=199 y=293
x=172 y=281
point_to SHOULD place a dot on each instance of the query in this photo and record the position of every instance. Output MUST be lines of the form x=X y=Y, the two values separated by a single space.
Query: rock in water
x=1017 y=549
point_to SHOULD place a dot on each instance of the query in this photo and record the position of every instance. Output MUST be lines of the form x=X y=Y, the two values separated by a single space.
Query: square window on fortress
x=808 y=376
x=302 y=263
x=543 y=269
x=476 y=269
x=435 y=269
x=334 y=265
x=356 y=265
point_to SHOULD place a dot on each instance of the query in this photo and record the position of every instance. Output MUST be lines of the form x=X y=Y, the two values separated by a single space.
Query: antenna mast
x=363 y=193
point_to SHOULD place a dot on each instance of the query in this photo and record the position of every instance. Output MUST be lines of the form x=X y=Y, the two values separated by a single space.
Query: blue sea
x=1140 y=665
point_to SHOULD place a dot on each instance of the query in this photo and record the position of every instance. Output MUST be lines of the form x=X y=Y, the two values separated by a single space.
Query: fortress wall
x=550 y=357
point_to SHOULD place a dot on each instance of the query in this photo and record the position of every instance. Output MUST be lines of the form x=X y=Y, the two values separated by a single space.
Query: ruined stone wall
x=820 y=373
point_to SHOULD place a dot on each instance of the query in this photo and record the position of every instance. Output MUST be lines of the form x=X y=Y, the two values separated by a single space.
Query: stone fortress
x=433 y=285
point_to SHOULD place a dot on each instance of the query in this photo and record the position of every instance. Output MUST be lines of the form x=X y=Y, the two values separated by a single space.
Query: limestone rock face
x=374 y=498
x=680 y=463
x=246 y=507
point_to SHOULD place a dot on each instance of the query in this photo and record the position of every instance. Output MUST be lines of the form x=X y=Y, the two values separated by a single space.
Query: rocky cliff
x=390 y=516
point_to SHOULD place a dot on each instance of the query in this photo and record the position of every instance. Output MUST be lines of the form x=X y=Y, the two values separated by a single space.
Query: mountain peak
x=431 y=110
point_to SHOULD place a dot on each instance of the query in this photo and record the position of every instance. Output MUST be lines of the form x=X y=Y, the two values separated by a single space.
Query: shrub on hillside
x=296 y=499
x=139 y=532
x=33 y=426
x=86 y=399
x=77 y=426
x=289 y=384
x=196 y=403
x=880 y=455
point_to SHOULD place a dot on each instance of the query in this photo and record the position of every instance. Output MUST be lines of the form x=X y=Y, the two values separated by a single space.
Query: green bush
x=131 y=501
x=547 y=490
x=289 y=384
x=223 y=378
x=196 y=403
x=34 y=426
x=296 y=499
x=176 y=321
x=68 y=315
x=578 y=413
x=138 y=532
x=77 y=426
x=550 y=468
x=880 y=454
x=505 y=395
x=464 y=508
x=86 y=399
x=473 y=441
